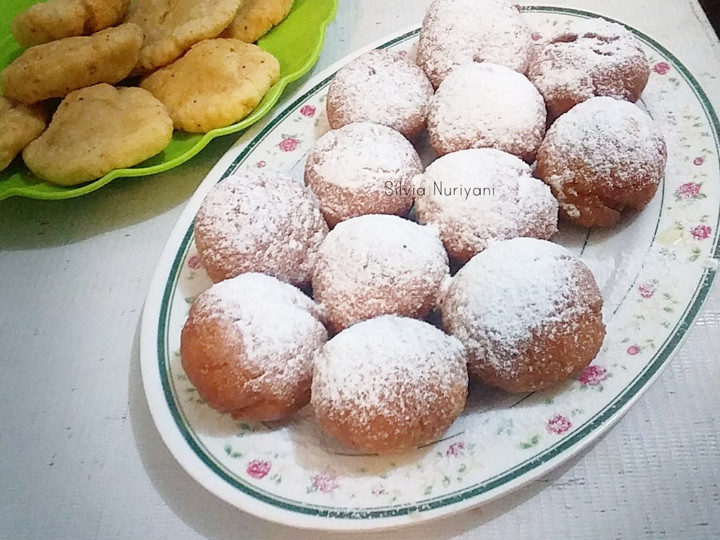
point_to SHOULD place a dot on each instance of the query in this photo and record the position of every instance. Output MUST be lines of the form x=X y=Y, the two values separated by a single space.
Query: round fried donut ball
x=594 y=57
x=487 y=106
x=362 y=168
x=383 y=87
x=248 y=345
x=457 y=32
x=601 y=157
x=528 y=312
x=389 y=384
x=262 y=222
x=378 y=264
x=479 y=196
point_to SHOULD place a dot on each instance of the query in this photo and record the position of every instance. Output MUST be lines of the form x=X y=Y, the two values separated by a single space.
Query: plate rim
x=339 y=520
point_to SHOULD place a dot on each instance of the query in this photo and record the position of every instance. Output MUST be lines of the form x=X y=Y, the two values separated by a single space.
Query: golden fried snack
x=255 y=18
x=218 y=82
x=57 y=68
x=20 y=124
x=171 y=27
x=57 y=19
x=96 y=130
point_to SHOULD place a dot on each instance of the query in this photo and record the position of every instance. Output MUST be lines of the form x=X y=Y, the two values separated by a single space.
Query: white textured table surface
x=79 y=454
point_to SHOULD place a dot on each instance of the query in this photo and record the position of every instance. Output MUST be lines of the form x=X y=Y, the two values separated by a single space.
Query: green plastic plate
x=296 y=42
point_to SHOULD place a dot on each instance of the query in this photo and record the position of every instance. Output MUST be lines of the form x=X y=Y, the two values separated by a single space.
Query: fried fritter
x=255 y=18
x=96 y=130
x=218 y=82
x=57 y=68
x=20 y=124
x=57 y=19
x=171 y=27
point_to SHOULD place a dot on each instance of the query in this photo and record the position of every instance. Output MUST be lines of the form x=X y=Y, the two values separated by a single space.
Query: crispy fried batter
x=255 y=18
x=57 y=68
x=171 y=27
x=96 y=130
x=57 y=19
x=218 y=82
x=20 y=124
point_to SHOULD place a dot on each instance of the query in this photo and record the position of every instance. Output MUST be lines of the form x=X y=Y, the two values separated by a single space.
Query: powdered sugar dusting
x=377 y=264
x=350 y=168
x=507 y=292
x=487 y=105
x=616 y=144
x=392 y=367
x=260 y=222
x=457 y=32
x=279 y=328
x=594 y=57
x=480 y=195
x=383 y=87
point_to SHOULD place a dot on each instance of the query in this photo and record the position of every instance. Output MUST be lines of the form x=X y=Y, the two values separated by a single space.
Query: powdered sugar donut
x=380 y=86
x=528 y=312
x=260 y=222
x=487 y=106
x=362 y=168
x=601 y=157
x=389 y=384
x=377 y=264
x=248 y=346
x=457 y=32
x=483 y=195
x=594 y=57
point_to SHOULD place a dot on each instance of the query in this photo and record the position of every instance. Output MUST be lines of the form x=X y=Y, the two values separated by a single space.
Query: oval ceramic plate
x=296 y=43
x=655 y=269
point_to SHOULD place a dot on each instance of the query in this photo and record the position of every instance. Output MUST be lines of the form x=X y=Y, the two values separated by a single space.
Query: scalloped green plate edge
x=296 y=42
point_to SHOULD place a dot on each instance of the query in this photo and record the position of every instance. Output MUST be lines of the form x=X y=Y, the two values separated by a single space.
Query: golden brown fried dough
x=255 y=18
x=96 y=130
x=218 y=82
x=57 y=19
x=171 y=27
x=20 y=124
x=57 y=68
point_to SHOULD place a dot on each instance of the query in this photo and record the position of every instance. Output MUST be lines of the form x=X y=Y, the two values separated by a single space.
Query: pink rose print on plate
x=261 y=164
x=325 y=483
x=593 y=375
x=308 y=110
x=661 y=68
x=698 y=161
x=536 y=36
x=688 y=190
x=194 y=262
x=288 y=144
x=632 y=350
x=646 y=290
x=455 y=449
x=700 y=232
x=258 y=468
x=558 y=424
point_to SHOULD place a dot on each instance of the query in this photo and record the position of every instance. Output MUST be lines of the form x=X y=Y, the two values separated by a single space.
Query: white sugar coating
x=260 y=222
x=376 y=264
x=351 y=169
x=481 y=195
x=487 y=106
x=593 y=57
x=506 y=293
x=278 y=326
x=456 y=32
x=615 y=140
x=393 y=367
x=380 y=86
